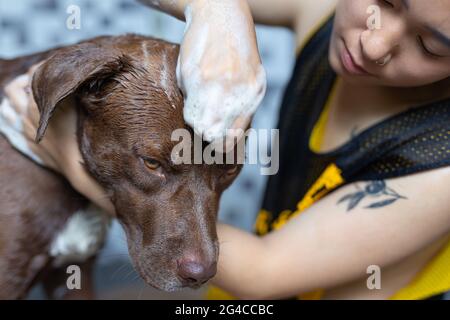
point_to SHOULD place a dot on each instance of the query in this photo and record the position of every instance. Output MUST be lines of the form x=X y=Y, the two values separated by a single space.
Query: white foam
x=82 y=236
x=213 y=103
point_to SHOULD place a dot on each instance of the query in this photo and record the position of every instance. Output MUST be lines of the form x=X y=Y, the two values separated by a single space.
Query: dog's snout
x=195 y=272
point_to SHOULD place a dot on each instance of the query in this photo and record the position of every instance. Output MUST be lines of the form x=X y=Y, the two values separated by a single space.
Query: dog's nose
x=194 y=272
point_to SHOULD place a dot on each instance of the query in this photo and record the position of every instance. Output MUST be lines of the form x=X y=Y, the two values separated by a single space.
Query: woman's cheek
x=426 y=70
x=416 y=75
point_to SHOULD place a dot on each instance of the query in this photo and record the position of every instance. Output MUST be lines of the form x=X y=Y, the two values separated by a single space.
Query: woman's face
x=400 y=43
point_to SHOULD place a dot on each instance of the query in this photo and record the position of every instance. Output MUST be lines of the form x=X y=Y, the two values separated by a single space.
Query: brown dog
x=127 y=105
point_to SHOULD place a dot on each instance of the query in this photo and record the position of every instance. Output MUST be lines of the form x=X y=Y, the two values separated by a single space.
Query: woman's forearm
x=278 y=13
x=242 y=263
x=175 y=8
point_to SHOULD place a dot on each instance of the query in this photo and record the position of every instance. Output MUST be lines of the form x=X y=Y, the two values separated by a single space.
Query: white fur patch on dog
x=82 y=236
x=11 y=127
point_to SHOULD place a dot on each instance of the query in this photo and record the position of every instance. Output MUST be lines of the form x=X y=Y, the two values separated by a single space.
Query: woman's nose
x=376 y=44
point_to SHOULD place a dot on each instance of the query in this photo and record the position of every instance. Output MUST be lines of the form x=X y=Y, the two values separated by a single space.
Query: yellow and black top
x=415 y=140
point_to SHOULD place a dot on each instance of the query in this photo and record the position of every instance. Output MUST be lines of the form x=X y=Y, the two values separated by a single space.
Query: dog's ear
x=66 y=71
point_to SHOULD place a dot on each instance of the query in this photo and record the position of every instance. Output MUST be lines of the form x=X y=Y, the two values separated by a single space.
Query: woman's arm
x=330 y=244
x=276 y=13
x=283 y=13
x=175 y=8
x=270 y=12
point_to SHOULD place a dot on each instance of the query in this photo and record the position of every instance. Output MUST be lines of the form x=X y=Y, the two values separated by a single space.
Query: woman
x=365 y=128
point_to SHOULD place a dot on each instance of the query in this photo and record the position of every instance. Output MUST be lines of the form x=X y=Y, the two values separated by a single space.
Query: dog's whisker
x=117 y=270
x=110 y=257
x=116 y=254
x=129 y=273
x=136 y=276
x=141 y=291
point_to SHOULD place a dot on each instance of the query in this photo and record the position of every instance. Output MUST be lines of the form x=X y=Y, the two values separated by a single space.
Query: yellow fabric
x=434 y=279
x=314 y=295
x=330 y=179
x=282 y=219
x=318 y=132
x=215 y=293
x=262 y=222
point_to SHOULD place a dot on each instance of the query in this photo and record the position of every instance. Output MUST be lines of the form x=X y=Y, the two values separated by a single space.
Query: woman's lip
x=349 y=63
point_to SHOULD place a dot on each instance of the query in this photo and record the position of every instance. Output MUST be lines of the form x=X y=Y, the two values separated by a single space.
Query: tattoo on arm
x=377 y=191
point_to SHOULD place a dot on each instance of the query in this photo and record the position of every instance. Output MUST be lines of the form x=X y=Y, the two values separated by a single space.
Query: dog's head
x=128 y=107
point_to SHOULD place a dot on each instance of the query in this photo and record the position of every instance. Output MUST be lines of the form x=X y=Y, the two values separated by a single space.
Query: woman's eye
x=388 y=3
x=425 y=49
x=152 y=164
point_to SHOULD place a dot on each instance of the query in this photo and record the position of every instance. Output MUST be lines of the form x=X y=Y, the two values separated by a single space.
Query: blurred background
x=28 y=26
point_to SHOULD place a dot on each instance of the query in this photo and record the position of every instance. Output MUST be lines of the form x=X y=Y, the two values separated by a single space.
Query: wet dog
x=125 y=103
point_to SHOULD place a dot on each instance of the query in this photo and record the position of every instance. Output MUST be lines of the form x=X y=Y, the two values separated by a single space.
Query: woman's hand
x=219 y=68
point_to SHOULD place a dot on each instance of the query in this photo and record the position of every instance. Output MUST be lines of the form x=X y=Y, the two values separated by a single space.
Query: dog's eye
x=152 y=164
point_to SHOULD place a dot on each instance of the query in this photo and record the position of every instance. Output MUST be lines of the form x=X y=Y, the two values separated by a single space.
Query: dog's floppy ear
x=64 y=72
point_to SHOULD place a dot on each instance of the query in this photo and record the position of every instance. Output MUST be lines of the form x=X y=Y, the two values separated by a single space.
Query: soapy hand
x=219 y=68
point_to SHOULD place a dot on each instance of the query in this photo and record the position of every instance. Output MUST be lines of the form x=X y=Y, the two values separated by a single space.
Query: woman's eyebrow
x=436 y=33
